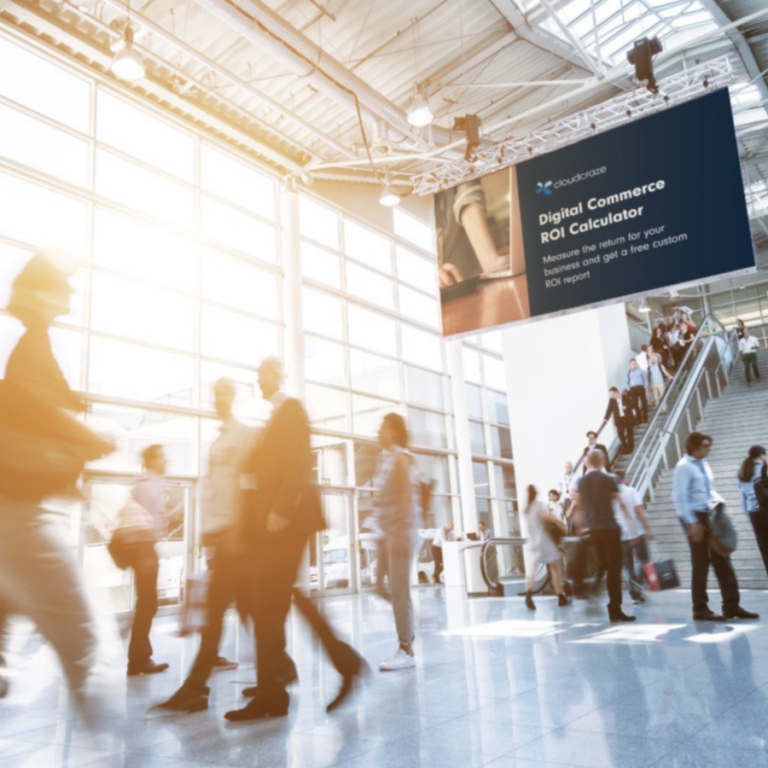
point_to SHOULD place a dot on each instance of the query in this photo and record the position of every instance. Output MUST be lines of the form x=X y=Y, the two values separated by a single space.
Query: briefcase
x=661 y=575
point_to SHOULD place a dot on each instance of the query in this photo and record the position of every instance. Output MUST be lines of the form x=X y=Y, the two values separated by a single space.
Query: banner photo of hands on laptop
x=650 y=205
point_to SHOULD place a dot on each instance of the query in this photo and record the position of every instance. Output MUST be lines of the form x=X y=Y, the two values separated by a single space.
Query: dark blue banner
x=653 y=203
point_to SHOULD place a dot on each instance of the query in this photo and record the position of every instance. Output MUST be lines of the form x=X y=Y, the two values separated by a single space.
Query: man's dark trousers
x=626 y=433
x=637 y=393
x=701 y=557
x=225 y=586
x=608 y=546
x=276 y=566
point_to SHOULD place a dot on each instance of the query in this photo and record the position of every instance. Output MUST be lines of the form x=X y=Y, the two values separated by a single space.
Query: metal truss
x=619 y=110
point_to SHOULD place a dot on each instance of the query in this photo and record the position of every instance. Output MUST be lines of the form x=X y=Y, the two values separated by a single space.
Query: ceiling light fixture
x=644 y=307
x=127 y=64
x=388 y=197
x=420 y=113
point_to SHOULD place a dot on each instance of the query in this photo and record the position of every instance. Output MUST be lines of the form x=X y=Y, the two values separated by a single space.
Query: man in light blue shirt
x=693 y=492
x=637 y=382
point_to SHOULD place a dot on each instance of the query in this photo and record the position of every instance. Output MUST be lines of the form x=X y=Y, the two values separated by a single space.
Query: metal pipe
x=264 y=28
x=222 y=72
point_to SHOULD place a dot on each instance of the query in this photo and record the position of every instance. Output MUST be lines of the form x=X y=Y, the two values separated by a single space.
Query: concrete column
x=558 y=375
x=294 y=320
x=468 y=519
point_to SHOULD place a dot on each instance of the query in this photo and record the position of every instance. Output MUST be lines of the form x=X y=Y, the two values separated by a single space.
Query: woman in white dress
x=541 y=549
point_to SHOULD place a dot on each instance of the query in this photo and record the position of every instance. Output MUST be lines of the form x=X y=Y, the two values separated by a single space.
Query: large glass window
x=39 y=146
x=422 y=348
x=152 y=253
x=318 y=223
x=320 y=265
x=134 y=372
x=367 y=247
x=414 y=231
x=31 y=212
x=367 y=285
x=145 y=137
x=144 y=190
x=371 y=330
x=41 y=85
x=236 y=337
x=424 y=387
x=236 y=283
x=323 y=361
x=375 y=374
x=142 y=312
x=416 y=270
x=223 y=175
x=323 y=313
x=237 y=230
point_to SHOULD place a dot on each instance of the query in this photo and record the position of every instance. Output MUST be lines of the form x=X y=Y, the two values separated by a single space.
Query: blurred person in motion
x=43 y=450
x=567 y=481
x=542 y=550
x=444 y=533
x=147 y=521
x=596 y=495
x=281 y=511
x=554 y=505
x=593 y=445
x=221 y=503
x=754 y=470
x=398 y=502
x=635 y=533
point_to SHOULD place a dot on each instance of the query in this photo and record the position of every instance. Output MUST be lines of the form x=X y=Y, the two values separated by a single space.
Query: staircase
x=735 y=421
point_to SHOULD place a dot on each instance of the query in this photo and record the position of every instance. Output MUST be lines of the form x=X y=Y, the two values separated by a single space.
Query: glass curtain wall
x=180 y=282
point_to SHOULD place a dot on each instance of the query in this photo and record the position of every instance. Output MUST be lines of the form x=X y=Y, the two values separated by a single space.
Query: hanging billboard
x=654 y=204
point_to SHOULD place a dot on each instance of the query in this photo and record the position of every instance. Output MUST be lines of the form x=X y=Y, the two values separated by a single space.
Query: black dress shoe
x=620 y=617
x=740 y=613
x=356 y=672
x=707 y=616
x=147 y=668
x=189 y=698
x=285 y=681
x=258 y=709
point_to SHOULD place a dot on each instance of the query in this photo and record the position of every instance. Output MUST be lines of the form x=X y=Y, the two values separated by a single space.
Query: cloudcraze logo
x=546 y=188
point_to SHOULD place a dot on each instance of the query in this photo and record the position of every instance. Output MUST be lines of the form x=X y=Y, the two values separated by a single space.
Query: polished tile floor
x=495 y=685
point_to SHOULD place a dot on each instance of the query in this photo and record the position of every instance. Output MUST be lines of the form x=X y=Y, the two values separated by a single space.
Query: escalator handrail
x=518 y=540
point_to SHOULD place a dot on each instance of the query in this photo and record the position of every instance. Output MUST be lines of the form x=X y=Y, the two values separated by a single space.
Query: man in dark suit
x=620 y=408
x=593 y=445
x=282 y=510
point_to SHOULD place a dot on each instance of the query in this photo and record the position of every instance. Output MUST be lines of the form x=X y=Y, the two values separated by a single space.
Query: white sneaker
x=398 y=660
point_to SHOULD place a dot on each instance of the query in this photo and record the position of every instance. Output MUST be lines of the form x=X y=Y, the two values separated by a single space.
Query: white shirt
x=443 y=536
x=746 y=345
x=566 y=484
x=642 y=360
x=223 y=482
x=631 y=527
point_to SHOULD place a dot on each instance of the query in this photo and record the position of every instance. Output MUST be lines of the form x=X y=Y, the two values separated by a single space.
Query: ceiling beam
x=741 y=44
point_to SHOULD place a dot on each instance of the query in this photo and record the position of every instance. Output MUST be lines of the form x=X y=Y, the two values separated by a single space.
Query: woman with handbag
x=754 y=470
x=543 y=528
x=43 y=450
x=141 y=524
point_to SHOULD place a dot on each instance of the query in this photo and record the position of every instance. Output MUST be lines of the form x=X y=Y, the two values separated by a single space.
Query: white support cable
x=675 y=89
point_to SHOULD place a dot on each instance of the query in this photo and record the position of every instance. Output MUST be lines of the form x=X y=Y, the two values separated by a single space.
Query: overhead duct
x=264 y=28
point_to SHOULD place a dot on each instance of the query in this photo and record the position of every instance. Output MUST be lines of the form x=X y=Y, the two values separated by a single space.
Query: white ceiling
x=284 y=79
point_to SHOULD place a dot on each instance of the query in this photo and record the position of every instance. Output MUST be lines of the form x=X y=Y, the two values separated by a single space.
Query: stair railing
x=700 y=377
